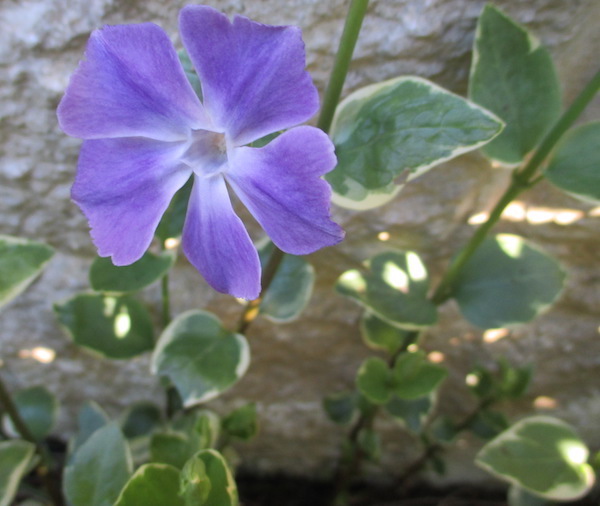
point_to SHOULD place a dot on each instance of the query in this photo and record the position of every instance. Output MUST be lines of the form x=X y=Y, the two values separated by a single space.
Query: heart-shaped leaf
x=403 y=126
x=113 y=326
x=21 y=261
x=374 y=380
x=200 y=357
x=514 y=77
x=507 y=281
x=575 y=163
x=152 y=485
x=394 y=287
x=543 y=455
x=414 y=376
x=207 y=475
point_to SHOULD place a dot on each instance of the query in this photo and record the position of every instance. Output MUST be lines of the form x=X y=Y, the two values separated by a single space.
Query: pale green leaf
x=21 y=261
x=380 y=335
x=507 y=281
x=543 y=455
x=513 y=76
x=214 y=469
x=403 y=126
x=200 y=356
x=575 y=164
x=152 y=485
x=15 y=456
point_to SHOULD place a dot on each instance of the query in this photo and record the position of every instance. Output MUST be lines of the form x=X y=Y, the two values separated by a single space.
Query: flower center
x=206 y=152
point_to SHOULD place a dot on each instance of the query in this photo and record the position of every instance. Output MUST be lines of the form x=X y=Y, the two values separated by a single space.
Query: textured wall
x=41 y=42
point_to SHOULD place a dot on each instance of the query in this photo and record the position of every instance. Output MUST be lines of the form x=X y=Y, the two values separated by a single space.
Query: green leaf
x=403 y=126
x=21 y=261
x=242 y=423
x=514 y=77
x=341 y=408
x=507 y=281
x=99 y=469
x=200 y=356
x=90 y=418
x=481 y=383
x=152 y=485
x=411 y=413
x=116 y=327
x=394 y=288
x=488 y=424
x=443 y=429
x=543 y=455
x=171 y=223
x=208 y=466
x=374 y=380
x=575 y=163
x=380 y=335
x=514 y=380
x=106 y=277
x=190 y=71
x=38 y=409
x=171 y=448
x=414 y=376
x=202 y=426
x=141 y=419
x=290 y=289
x=15 y=457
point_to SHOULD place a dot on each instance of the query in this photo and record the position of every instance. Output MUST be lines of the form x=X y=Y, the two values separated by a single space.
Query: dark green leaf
x=242 y=423
x=208 y=466
x=543 y=455
x=290 y=289
x=575 y=163
x=404 y=125
x=341 y=408
x=152 y=485
x=141 y=419
x=200 y=356
x=15 y=456
x=482 y=383
x=171 y=448
x=488 y=424
x=99 y=469
x=394 y=288
x=514 y=77
x=106 y=277
x=380 y=335
x=370 y=443
x=514 y=380
x=414 y=376
x=444 y=429
x=410 y=413
x=21 y=261
x=38 y=409
x=507 y=281
x=374 y=380
x=171 y=224
x=114 y=326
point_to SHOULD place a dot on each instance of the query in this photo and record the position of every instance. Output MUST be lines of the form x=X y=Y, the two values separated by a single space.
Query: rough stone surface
x=295 y=364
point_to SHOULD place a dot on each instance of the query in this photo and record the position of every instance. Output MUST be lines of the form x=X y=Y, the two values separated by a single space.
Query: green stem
x=354 y=20
x=522 y=180
x=45 y=466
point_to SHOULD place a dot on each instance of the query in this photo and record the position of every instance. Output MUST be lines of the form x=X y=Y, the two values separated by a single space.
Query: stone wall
x=293 y=365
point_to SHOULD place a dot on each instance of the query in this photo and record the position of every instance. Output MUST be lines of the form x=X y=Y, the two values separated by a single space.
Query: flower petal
x=280 y=185
x=252 y=75
x=124 y=186
x=130 y=84
x=216 y=242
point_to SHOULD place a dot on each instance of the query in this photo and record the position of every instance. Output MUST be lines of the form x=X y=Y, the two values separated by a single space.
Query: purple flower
x=146 y=132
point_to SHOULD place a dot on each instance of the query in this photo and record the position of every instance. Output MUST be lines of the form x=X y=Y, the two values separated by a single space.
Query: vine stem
x=356 y=14
x=521 y=180
x=45 y=466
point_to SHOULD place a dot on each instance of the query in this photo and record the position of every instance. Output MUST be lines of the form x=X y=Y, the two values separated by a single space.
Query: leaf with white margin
x=207 y=475
x=21 y=261
x=575 y=164
x=507 y=281
x=39 y=410
x=513 y=76
x=99 y=468
x=543 y=455
x=394 y=287
x=152 y=485
x=200 y=356
x=400 y=127
x=15 y=457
